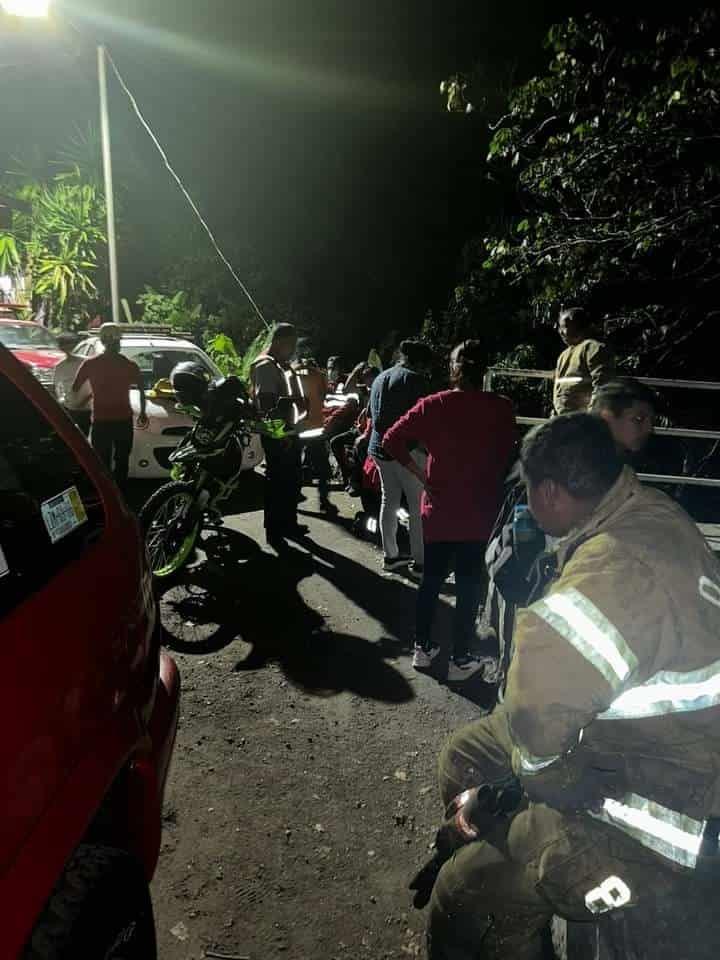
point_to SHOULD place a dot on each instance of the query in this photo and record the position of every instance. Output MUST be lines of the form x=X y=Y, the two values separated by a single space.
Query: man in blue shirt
x=394 y=392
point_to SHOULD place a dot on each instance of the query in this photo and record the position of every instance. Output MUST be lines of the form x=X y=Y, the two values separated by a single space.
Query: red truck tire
x=100 y=907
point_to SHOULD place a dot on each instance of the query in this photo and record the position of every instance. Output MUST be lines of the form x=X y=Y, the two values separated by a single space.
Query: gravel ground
x=302 y=795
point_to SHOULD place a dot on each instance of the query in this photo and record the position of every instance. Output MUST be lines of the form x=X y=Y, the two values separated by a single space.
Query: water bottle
x=524 y=526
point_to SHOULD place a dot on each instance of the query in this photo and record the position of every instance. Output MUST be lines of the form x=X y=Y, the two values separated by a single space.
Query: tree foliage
x=222 y=350
x=59 y=243
x=614 y=158
x=174 y=310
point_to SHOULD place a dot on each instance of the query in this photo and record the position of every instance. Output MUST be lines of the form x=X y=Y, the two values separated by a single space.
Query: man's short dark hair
x=284 y=331
x=619 y=395
x=415 y=353
x=577 y=451
x=577 y=318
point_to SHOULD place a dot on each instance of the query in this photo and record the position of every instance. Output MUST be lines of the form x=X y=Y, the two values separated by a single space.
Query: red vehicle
x=32 y=344
x=88 y=702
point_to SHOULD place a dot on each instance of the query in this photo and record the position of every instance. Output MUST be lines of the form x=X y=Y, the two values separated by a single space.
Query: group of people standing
x=592 y=785
x=443 y=455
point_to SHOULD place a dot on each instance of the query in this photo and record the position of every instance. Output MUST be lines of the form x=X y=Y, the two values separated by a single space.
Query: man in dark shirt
x=111 y=377
x=394 y=392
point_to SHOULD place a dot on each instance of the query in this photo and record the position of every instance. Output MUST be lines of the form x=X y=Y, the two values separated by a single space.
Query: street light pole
x=41 y=8
x=109 y=194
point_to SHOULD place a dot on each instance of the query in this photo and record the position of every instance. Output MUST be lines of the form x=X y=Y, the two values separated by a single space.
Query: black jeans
x=82 y=420
x=113 y=440
x=467 y=558
x=317 y=454
x=339 y=445
x=282 y=486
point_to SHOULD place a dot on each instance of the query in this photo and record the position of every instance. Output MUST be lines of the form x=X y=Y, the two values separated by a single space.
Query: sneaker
x=462 y=668
x=422 y=658
x=395 y=563
x=416 y=570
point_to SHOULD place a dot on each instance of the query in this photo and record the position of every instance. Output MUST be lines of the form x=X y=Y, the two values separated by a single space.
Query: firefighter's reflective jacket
x=580 y=371
x=617 y=669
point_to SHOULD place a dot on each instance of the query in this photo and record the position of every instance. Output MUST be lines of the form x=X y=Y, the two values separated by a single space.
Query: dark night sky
x=311 y=132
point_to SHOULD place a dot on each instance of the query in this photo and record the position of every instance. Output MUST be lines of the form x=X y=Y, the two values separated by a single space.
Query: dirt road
x=302 y=795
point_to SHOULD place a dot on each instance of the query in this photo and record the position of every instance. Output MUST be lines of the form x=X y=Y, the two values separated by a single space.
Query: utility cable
x=181 y=185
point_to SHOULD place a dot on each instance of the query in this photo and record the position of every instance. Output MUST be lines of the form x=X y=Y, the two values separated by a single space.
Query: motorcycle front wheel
x=171 y=527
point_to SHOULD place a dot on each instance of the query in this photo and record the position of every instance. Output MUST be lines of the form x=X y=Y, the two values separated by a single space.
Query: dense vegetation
x=610 y=161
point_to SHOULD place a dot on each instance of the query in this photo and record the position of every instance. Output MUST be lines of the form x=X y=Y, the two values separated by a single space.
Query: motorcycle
x=205 y=467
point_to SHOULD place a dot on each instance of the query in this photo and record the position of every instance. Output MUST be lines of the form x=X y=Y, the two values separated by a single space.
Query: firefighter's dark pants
x=495 y=897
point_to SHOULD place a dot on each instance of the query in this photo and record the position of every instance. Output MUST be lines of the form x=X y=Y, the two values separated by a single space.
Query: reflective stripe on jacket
x=580 y=371
x=618 y=667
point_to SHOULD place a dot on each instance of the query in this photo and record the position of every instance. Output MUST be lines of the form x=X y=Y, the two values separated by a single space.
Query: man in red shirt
x=111 y=377
x=470 y=436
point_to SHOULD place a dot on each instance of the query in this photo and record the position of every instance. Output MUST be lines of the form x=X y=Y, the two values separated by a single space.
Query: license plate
x=63 y=514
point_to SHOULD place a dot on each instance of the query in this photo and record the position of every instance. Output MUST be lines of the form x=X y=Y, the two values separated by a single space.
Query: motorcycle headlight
x=204 y=436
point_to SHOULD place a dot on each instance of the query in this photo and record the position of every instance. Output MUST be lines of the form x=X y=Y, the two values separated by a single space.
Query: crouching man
x=593 y=787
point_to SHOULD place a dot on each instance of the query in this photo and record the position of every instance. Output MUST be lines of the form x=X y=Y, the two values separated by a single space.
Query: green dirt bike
x=206 y=466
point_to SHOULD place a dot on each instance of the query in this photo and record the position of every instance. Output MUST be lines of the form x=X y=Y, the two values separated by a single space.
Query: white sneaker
x=463 y=669
x=422 y=658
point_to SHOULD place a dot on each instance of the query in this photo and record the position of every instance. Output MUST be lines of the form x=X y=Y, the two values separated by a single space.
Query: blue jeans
x=467 y=558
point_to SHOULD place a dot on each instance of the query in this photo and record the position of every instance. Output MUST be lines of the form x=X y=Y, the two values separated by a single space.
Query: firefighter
x=593 y=787
x=582 y=366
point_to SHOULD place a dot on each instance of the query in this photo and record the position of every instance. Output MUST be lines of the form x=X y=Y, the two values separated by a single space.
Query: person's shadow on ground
x=240 y=591
x=391 y=601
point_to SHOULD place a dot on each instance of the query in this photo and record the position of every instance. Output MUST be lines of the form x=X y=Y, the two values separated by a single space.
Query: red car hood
x=39 y=358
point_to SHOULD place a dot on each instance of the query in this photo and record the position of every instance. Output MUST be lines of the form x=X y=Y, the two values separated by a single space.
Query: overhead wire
x=146 y=126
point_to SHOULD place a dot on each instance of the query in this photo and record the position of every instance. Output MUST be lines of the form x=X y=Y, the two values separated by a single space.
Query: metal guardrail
x=662 y=431
x=519 y=374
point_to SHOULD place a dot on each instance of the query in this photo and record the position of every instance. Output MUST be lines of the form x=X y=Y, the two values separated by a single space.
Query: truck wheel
x=100 y=909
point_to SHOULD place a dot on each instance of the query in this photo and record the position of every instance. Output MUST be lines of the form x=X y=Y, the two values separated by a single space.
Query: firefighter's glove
x=470 y=816
x=424 y=881
x=474 y=813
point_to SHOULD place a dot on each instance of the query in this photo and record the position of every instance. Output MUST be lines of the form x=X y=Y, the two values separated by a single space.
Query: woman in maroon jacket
x=470 y=436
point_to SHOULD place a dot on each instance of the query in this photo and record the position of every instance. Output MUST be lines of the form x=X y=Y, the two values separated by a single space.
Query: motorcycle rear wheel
x=169 y=539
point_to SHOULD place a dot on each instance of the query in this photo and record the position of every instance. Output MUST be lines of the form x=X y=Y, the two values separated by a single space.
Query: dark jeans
x=317 y=454
x=467 y=558
x=282 y=486
x=113 y=440
x=81 y=419
x=339 y=444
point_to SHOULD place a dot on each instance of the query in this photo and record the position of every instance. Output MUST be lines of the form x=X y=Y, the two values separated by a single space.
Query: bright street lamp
x=41 y=8
x=26 y=8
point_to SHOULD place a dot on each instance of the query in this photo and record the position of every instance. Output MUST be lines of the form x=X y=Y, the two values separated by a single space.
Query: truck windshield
x=158 y=364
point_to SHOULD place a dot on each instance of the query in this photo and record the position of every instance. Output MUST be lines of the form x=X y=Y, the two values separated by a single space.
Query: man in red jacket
x=469 y=435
